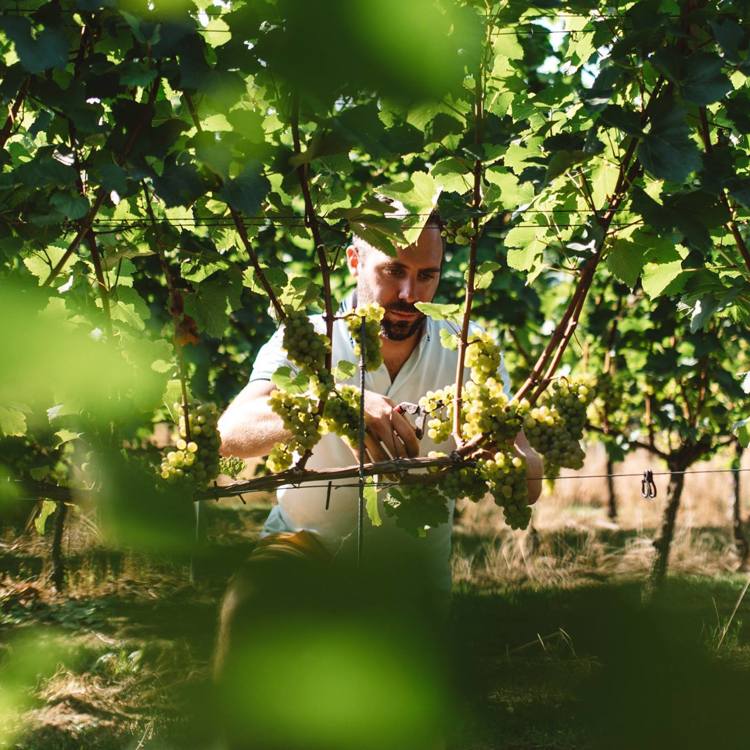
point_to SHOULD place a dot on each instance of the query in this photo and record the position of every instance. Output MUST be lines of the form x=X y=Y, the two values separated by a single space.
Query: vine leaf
x=667 y=151
x=371 y=502
x=698 y=76
x=662 y=278
x=484 y=274
x=625 y=261
x=344 y=370
x=47 y=509
x=284 y=381
x=246 y=191
x=12 y=421
x=437 y=311
x=48 y=50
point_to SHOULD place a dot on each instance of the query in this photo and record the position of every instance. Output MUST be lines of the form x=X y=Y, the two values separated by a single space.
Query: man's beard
x=400 y=330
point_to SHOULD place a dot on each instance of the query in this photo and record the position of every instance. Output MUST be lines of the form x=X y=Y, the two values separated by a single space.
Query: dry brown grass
x=574 y=540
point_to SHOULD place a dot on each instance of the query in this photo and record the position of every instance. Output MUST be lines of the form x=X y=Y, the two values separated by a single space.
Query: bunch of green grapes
x=608 y=393
x=197 y=459
x=372 y=314
x=482 y=356
x=465 y=482
x=439 y=406
x=341 y=414
x=571 y=399
x=486 y=411
x=505 y=475
x=417 y=508
x=304 y=345
x=555 y=427
x=459 y=233
x=300 y=416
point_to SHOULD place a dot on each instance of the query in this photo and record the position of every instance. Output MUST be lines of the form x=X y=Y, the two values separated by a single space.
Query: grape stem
x=311 y=221
x=15 y=108
x=476 y=205
x=175 y=309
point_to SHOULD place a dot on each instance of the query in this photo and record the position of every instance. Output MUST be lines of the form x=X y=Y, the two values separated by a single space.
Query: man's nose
x=408 y=290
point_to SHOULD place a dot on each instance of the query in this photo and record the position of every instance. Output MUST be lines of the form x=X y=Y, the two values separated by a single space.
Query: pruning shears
x=420 y=415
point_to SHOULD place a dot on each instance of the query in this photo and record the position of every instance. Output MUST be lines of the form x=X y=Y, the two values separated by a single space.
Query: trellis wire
x=382 y=484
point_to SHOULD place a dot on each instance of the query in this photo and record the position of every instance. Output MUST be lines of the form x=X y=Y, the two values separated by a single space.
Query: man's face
x=397 y=282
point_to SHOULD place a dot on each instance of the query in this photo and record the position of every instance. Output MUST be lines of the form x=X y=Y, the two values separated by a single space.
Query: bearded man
x=312 y=520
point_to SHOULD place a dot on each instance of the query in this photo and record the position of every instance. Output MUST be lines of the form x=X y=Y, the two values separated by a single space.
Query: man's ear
x=352 y=260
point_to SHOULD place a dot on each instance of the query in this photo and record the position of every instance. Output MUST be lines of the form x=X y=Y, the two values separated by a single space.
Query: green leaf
x=418 y=195
x=667 y=151
x=371 y=502
x=662 y=278
x=344 y=370
x=246 y=192
x=283 y=380
x=448 y=340
x=70 y=205
x=484 y=274
x=622 y=119
x=179 y=184
x=452 y=175
x=274 y=276
x=210 y=306
x=524 y=247
x=506 y=44
x=730 y=36
x=47 y=508
x=701 y=312
x=742 y=430
x=625 y=261
x=439 y=312
x=48 y=50
x=512 y=192
x=698 y=75
x=65 y=436
x=12 y=421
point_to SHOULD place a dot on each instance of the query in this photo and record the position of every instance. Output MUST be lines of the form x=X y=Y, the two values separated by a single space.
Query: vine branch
x=88 y=220
x=13 y=111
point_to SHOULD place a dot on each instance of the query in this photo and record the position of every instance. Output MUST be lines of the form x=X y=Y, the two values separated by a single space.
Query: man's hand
x=389 y=434
x=534 y=466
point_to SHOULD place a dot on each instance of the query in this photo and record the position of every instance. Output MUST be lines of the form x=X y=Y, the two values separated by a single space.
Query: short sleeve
x=271 y=356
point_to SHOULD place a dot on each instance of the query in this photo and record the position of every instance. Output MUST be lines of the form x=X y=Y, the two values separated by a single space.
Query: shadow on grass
x=596 y=667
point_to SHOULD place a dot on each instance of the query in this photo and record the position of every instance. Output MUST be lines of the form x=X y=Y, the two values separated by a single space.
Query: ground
x=554 y=643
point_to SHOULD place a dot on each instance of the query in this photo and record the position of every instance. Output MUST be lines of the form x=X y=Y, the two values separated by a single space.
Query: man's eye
x=394 y=271
x=426 y=276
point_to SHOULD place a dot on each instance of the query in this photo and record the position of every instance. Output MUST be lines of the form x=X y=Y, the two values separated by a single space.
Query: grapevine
x=304 y=345
x=482 y=356
x=300 y=416
x=197 y=459
x=341 y=414
x=505 y=475
x=417 y=508
x=555 y=427
x=372 y=314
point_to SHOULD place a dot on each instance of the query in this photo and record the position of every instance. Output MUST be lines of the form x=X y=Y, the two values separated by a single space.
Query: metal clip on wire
x=648 y=486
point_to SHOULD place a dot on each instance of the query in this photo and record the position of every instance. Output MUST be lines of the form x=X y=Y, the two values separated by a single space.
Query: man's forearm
x=251 y=429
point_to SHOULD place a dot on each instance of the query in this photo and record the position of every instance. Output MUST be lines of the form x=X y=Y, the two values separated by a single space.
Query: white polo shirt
x=429 y=367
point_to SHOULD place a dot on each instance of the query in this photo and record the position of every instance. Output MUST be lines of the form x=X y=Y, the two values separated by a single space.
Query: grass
x=552 y=645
